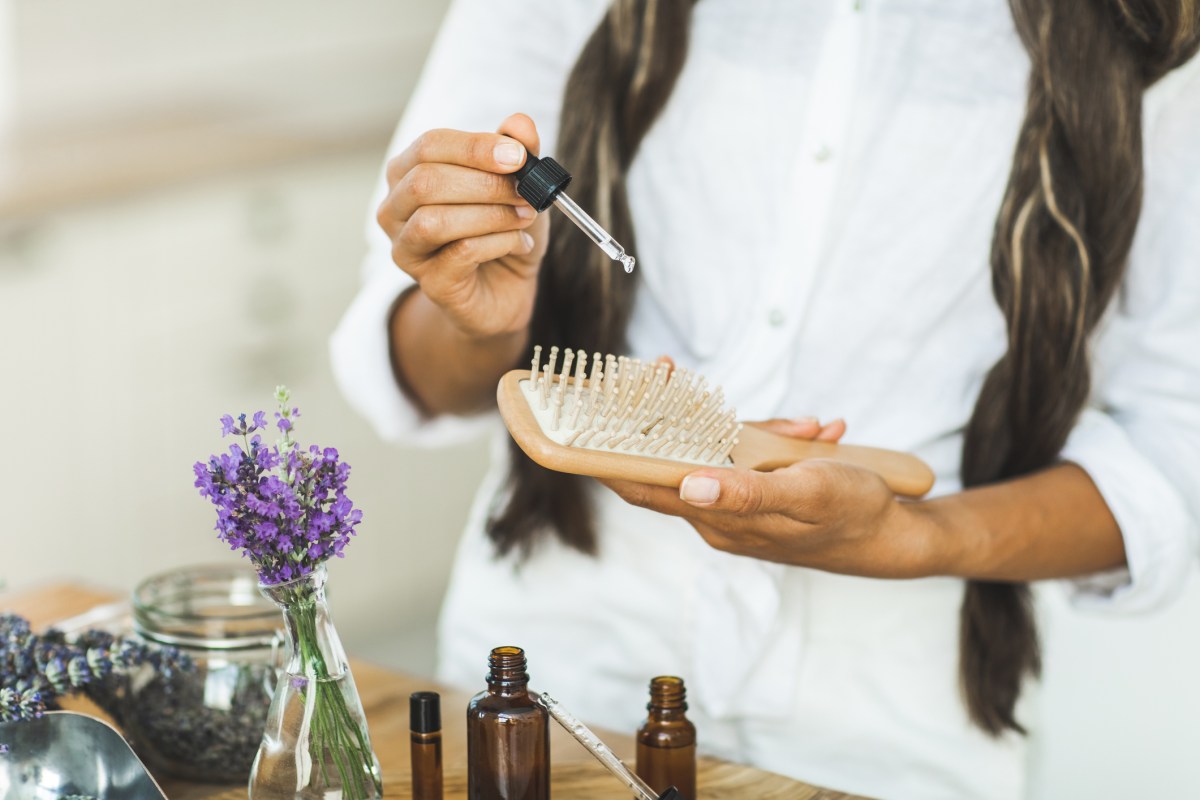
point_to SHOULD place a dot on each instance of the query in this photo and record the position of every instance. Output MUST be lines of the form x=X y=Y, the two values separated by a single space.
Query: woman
x=815 y=190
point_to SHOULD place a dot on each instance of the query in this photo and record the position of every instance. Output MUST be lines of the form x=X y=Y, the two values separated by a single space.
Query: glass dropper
x=586 y=737
x=542 y=181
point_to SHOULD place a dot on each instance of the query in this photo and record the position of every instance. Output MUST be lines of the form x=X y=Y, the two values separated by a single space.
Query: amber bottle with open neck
x=666 y=741
x=508 y=735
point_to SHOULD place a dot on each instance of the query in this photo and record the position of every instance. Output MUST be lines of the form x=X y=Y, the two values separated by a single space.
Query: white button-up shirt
x=814 y=209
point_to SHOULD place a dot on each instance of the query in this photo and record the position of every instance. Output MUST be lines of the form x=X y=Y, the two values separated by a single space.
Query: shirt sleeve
x=488 y=60
x=1140 y=439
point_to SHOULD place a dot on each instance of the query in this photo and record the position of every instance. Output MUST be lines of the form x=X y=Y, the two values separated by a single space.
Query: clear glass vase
x=315 y=744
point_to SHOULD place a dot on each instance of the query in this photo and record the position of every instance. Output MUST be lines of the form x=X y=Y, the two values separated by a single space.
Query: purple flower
x=341 y=506
x=284 y=507
x=319 y=523
x=37 y=669
x=266 y=531
x=226 y=425
x=204 y=479
x=265 y=508
x=266 y=458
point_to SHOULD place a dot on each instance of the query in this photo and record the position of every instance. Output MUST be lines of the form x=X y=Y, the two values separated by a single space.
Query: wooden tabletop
x=384 y=692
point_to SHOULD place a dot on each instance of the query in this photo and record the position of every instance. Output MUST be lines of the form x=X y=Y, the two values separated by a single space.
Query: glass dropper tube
x=542 y=181
x=586 y=737
x=601 y=237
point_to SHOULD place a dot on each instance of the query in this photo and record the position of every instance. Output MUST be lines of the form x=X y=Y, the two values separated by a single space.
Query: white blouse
x=814 y=209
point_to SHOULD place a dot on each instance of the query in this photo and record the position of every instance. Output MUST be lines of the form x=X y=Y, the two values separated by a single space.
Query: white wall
x=81 y=61
x=7 y=57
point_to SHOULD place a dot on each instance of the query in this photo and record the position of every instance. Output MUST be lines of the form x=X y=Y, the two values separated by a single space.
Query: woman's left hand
x=818 y=513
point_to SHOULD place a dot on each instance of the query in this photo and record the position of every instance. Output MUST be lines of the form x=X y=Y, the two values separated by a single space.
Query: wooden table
x=384 y=692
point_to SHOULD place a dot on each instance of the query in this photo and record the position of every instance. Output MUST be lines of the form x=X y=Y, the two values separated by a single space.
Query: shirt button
x=776 y=317
x=823 y=154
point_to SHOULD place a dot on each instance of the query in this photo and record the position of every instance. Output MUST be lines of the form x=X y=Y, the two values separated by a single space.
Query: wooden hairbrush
x=651 y=423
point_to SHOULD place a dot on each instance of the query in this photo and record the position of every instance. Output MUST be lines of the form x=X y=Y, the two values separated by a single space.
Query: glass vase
x=315 y=744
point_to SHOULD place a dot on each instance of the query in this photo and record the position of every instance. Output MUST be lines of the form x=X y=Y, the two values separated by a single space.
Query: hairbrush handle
x=760 y=449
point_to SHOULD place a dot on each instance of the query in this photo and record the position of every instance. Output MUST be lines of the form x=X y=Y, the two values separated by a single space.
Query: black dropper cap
x=671 y=794
x=424 y=712
x=539 y=180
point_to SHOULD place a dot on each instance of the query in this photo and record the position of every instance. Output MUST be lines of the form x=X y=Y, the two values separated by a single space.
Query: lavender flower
x=40 y=668
x=35 y=670
x=18 y=706
x=284 y=507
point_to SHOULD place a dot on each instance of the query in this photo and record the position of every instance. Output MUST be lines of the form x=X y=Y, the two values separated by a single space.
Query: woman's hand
x=816 y=513
x=460 y=229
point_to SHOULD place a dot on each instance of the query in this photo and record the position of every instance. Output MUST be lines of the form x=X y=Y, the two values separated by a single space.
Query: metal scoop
x=66 y=753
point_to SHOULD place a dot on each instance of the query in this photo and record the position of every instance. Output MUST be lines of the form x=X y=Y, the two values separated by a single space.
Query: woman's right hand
x=460 y=229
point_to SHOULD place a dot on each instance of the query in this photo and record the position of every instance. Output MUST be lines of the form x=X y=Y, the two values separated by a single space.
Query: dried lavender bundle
x=37 y=669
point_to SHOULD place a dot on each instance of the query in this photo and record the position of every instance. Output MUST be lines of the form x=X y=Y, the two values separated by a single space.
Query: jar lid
x=206 y=607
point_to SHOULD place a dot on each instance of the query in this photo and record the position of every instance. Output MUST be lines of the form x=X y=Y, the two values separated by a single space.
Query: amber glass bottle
x=666 y=741
x=508 y=735
x=425 y=726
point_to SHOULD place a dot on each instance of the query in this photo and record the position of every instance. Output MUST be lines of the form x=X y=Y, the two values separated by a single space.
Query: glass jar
x=204 y=723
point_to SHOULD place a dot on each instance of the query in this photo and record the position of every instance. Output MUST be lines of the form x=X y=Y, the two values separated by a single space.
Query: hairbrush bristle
x=628 y=406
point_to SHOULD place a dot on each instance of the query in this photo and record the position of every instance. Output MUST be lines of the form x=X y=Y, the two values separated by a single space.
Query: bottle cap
x=424 y=712
x=540 y=180
x=670 y=794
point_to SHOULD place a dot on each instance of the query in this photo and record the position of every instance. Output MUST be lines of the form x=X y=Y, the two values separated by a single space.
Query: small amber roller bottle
x=508 y=735
x=425 y=726
x=666 y=741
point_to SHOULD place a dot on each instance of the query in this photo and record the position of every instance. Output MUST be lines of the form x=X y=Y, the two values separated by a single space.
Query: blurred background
x=184 y=187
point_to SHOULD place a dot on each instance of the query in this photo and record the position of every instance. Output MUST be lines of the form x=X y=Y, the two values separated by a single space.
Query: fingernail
x=525 y=212
x=699 y=489
x=805 y=420
x=510 y=154
x=527 y=239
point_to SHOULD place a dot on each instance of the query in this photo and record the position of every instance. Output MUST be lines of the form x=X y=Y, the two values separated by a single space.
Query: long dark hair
x=1059 y=250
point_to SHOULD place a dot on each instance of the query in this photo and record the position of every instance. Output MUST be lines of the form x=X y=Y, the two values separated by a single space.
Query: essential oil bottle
x=508 y=735
x=666 y=741
x=425 y=727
